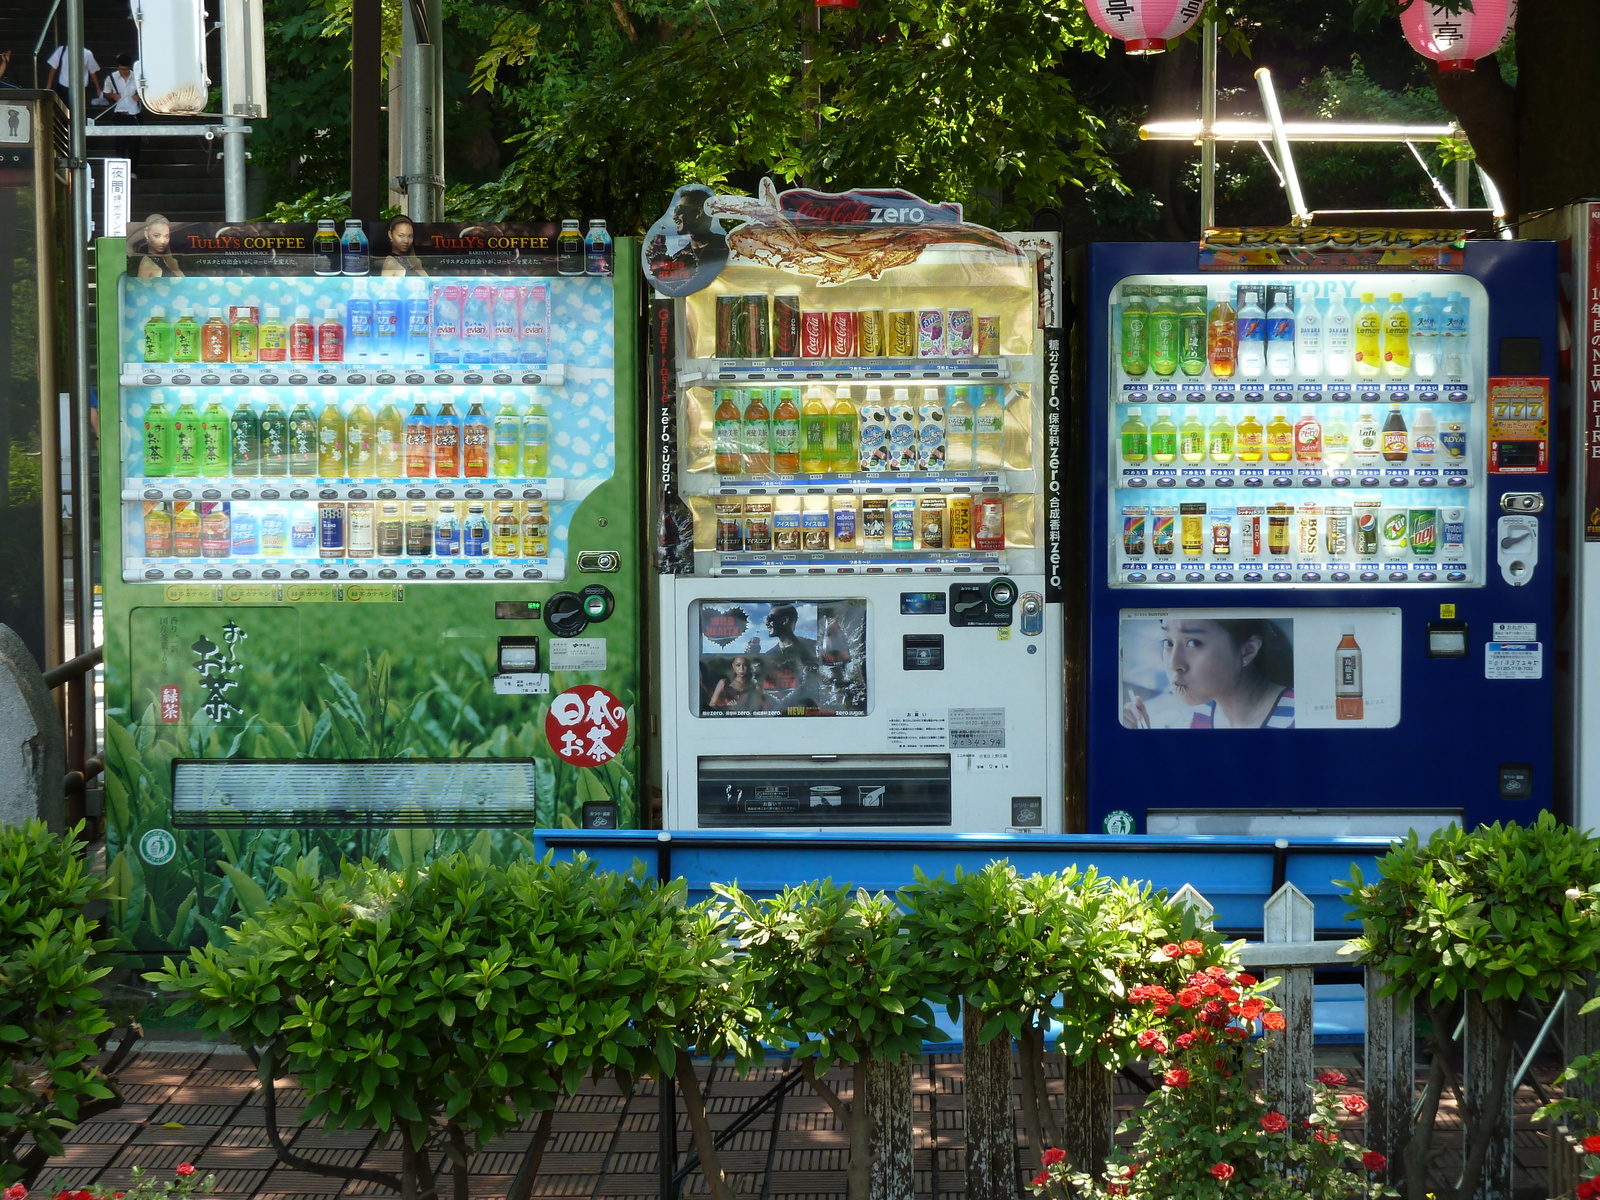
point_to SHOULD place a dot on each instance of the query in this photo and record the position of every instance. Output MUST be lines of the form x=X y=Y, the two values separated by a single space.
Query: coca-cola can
x=958 y=333
x=786 y=325
x=814 y=341
x=902 y=333
x=730 y=313
x=870 y=333
x=756 y=326
x=842 y=326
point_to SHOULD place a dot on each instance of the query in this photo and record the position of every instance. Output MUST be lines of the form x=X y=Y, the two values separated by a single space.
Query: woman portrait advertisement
x=1213 y=673
x=738 y=689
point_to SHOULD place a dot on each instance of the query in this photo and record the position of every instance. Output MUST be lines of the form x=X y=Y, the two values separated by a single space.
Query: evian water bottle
x=477 y=324
x=506 y=323
x=447 y=324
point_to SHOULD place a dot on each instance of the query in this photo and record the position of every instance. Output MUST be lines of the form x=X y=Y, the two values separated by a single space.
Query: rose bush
x=1205 y=1133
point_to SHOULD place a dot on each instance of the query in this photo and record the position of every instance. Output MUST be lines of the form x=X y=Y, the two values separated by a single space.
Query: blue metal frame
x=1237 y=875
x=1456 y=727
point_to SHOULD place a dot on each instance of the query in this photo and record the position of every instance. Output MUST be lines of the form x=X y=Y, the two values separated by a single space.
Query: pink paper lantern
x=1144 y=26
x=1456 y=40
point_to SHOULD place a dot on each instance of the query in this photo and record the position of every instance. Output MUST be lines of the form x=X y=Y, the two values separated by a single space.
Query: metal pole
x=366 y=56
x=1463 y=183
x=422 y=112
x=83 y=432
x=1208 y=119
x=233 y=135
x=435 y=10
x=1291 y=181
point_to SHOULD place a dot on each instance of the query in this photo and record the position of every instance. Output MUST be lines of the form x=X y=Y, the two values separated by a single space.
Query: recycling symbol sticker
x=157 y=847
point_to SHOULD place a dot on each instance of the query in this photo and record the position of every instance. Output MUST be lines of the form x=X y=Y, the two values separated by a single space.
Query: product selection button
x=1340 y=577
x=385 y=573
x=1195 y=577
x=474 y=573
x=1427 y=576
x=1398 y=576
x=1457 y=577
x=1252 y=576
x=241 y=573
x=358 y=573
x=416 y=573
x=1224 y=576
x=1133 y=576
x=154 y=573
x=1369 y=577
x=274 y=573
x=1165 y=577
x=1369 y=481
x=1312 y=576
x=1281 y=577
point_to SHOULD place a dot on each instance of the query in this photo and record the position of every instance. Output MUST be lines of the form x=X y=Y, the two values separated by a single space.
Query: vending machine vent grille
x=425 y=792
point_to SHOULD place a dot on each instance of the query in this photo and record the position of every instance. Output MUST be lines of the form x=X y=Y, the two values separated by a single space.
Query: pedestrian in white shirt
x=121 y=91
x=63 y=77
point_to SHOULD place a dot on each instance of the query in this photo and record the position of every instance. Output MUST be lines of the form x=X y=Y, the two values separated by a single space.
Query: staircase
x=180 y=178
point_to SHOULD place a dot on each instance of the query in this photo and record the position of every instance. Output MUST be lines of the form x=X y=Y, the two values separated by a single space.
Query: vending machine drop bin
x=370 y=525
x=1322 y=568
x=857 y=401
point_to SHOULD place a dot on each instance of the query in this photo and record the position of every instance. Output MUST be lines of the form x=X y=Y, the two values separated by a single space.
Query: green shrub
x=51 y=1017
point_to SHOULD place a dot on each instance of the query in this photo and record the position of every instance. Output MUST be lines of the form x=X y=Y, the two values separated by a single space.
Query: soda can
x=1394 y=528
x=989 y=523
x=1454 y=523
x=1338 y=533
x=330 y=527
x=1310 y=540
x=1134 y=517
x=870 y=332
x=728 y=323
x=961 y=523
x=902 y=523
x=1193 y=520
x=786 y=325
x=1453 y=442
x=931 y=516
x=958 y=333
x=902 y=333
x=1222 y=533
x=842 y=326
x=1249 y=539
x=1366 y=521
x=988 y=335
x=815 y=523
x=757 y=327
x=1425 y=531
x=930 y=333
x=1278 y=529
x=814 y=342
x=1163 y=529
x=786 y=526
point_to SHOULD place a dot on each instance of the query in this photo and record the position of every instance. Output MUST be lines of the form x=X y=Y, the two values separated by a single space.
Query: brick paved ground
x=204 y=1106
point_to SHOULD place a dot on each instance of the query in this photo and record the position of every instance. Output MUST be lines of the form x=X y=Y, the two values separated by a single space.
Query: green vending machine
x=371 y=542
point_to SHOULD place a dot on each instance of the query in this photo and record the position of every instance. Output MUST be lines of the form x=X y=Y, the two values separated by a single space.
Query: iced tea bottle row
x=1212 y=435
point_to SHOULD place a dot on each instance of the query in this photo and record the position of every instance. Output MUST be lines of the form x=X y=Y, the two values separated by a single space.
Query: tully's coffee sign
x=158 y=247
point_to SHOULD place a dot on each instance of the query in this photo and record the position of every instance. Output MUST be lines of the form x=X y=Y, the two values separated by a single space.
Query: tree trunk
x=991 y=1128
x=1089 y=1120
x=1486 y=108
x=862 y=1128
x=889 y=1103
x=1558 y=91
x=694 y=1106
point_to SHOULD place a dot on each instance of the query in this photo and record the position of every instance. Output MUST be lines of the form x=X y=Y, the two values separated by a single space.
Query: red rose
x=1274 y=1020
x=1355 y=1105
x=1327 y=1136
x=16 y=1192
x=1171 y=950
x=1332 y=1078
x=1185 y=1040
x=1373 y=1161
x=1211 y=988
x=1116 y=1189
x=1274 y=1122
x=1129 y=1171
x=1230 y=994
x=1148 y=1038
x=1189 y=997
x=185 y=1170
x=1161 y=1010
x=1192 y=947
x=1041 y=1179
x=1588 y=1189
x=1252 y=1008
x=1177 y=1077
x=1591 y=1144
x=1052 y=1156
x=1223 y=1171
x=1216 y=972
x=1245 y=980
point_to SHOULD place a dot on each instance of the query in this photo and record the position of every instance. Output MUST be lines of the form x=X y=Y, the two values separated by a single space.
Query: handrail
x=74 y=668
x=39 y=45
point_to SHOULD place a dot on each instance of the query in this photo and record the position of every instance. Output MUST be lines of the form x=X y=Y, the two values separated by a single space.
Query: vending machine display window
x=785 y=658
x=1321 y=430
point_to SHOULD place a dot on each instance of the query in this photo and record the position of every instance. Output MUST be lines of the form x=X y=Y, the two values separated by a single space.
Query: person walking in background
x=121 y=90
x=63 y=78
x=5 y=71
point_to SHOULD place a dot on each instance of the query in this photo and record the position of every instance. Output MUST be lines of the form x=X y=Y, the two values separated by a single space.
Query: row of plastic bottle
x=349 y=252
x=1168 y=332
x=424 y=444
x=1308 y=441
x=451 y=324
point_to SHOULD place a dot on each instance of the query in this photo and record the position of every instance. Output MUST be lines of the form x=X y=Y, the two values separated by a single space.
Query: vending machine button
x=355 y=377
x=416 y=573
x=328 y=494
x=211 y=494
x=445 y=573
x=304 y=494
x=1456 y=481
x=502 y=493
x=502 y=378
x=1252 y=576
x=325 y=573
x=358 y=493
x=416 y=377
x=1340 y=577
x=473 y=493
x=213 y=573
x=1224 y=576
x=1195 y=577
x=1164 y=481
x=474 y=573
x=564 y=614
x=1136 y=481
x=272 y=573
x=241 y=573
x=530 y=377
x=183 y=573
x=383 y=573
x=502 y=573
x=1282 y=480
x=532 y=573
x=1312 y=576
x=358 y=573
x=327 y=379
x=1252 y=481
x=269 y=493
x=416 y=494
x=1398 y=576
x=152 y=493
x=182 y=494
x=154 y=573
x=445 y=493
x=1369 y=577
x=1427 y=576
x=383 y=378
x=444 y=377
x=532 y=494
x=297 y=378
x=1311 y=480
x=1195 y=481
x=1397 y=481
x=210 y=380
x=1165 y=577
x=1136 y=577
x=1427 y=481
x=1457 y=576
x=1341 y=481
x=1281 y=577
x=1369 y=481
x=240 y=494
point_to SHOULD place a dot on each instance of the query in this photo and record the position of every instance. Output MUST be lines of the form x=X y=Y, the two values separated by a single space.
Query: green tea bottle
x=274 y=440
x=158 y=337
x=186 y=339
x=215 y=458
x=186 y=437
x=157 y=438
x=245 y=433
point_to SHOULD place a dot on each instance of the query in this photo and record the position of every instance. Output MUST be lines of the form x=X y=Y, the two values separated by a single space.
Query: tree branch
x=831 y=1097
x=522 y=1185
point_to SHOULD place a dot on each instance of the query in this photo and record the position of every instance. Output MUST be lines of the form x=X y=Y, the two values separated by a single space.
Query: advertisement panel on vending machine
x=1322 y=574
x=371 y=588
x=857 y=400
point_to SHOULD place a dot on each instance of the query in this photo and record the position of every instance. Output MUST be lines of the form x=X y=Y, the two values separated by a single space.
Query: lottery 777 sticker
x=586 y=726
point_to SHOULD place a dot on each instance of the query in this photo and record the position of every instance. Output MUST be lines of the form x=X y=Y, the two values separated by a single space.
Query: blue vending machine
x=1321 y=546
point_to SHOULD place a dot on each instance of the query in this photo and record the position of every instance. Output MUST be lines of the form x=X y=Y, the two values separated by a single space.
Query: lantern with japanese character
x=1456 y=40
x=1144 y=26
